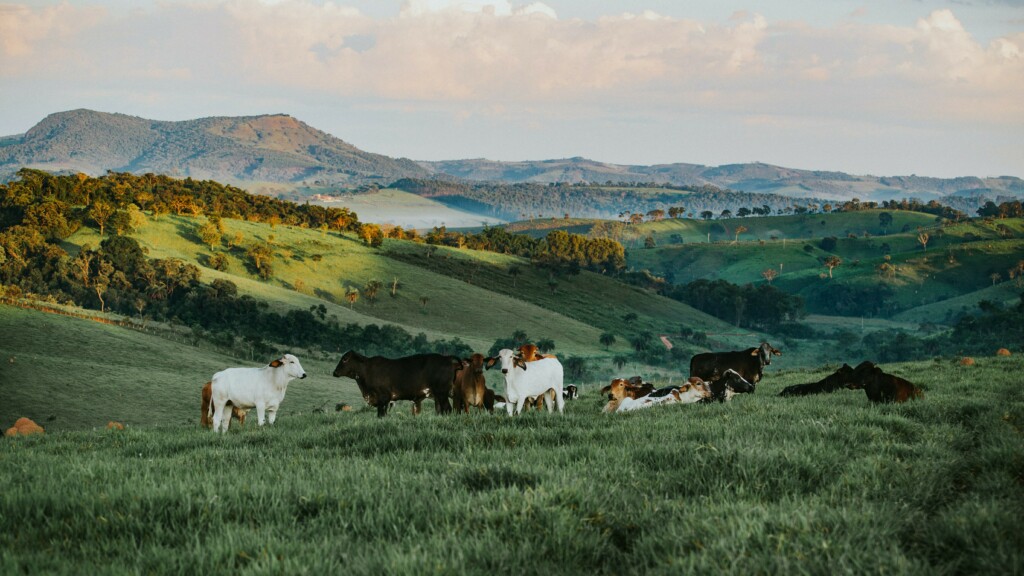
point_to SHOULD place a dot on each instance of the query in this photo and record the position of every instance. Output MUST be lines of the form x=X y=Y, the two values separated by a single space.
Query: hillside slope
x=274 y=148
x=755 y=177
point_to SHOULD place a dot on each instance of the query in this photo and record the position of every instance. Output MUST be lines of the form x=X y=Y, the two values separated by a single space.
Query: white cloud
x=497 y=57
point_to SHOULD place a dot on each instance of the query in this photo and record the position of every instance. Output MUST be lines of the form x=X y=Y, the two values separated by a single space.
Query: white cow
x=688 y=393
x=522 y=382
x=260 y=388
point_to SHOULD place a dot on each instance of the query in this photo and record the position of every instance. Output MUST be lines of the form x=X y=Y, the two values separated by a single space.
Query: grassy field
x=763 y=484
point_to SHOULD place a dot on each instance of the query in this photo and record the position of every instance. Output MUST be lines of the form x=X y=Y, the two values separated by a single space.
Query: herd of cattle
x=531 y=380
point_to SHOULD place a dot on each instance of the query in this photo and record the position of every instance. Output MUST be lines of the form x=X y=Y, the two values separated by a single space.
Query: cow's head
x=349 y=365
x=528 y=352
x=475 y=363
x=735 y=382
x=693 y=392
x=290 y=365
x=510 y=360
x=764 y=352
x=617 y=389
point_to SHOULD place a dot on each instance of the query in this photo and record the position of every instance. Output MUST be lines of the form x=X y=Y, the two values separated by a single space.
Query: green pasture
x=762 y=484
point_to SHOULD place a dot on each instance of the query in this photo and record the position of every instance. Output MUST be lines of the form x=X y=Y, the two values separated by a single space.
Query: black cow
x=385 y=380
x=723 y=387
x=841 y=378
x=747 y=363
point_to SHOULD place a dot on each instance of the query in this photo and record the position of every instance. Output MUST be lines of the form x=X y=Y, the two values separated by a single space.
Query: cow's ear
x=755 y=352
x=489 y=363
x=276 y=364
x=521 y=363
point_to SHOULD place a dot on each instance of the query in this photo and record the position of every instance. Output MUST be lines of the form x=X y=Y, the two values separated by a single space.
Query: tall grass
x=763 y=484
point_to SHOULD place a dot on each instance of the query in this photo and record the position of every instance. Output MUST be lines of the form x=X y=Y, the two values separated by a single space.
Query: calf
x=747 y=363
x=523 y=380
x=205 y=414
x=385 y=380
x=245 y=388
x=570 y=392
x=470 y=387
x=630 y=388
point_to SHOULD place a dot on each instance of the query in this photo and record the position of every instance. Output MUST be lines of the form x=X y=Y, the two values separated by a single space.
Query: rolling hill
x=274 y=148
x=754 y=177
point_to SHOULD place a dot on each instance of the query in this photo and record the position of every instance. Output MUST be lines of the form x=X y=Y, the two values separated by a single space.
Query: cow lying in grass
x=882 y=387
x=259 y=388
x=835 y=381
x=206 y=415
x=621 y=397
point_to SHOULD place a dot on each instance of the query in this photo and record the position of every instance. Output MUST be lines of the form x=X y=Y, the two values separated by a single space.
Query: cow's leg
x=261 y=413
x=218 y=414
x=382 y=409
x=547 y=401
x=519 y=404
x=416 y=406
x=443 y=406
x=271 y=414
x=559 y=401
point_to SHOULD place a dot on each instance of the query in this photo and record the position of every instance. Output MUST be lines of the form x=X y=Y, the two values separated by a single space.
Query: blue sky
x=871 y=87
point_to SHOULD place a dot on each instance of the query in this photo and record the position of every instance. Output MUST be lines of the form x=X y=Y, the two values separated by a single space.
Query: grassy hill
x=933 y=285
x=469 y=294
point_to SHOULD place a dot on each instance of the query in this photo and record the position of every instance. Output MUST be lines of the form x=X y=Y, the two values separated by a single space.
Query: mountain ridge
x=271 y=147
x=279 y=148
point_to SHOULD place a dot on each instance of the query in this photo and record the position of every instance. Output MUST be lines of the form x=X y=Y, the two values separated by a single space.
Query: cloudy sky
x=880 y=87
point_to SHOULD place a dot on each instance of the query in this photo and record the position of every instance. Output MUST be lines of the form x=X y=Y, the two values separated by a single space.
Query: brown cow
x=470 y=386
x=629 y=388
x=882 y=387
x=204 y=419
x=529 y=353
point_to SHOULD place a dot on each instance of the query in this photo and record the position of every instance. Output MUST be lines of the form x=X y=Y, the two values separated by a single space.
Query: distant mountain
x=751 y=177
x=271 y=148
x=280 y=149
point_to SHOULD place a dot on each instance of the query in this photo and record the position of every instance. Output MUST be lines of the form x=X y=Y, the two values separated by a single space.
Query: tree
x=629 y=318
x=995 y=276
x=884 y=220
x=371 y=289
x=649 y=242
x=261 y=255
x=514 y=271
x=832 y=262
x=209 y=234
x=351 y=296
x=707 y=214
x=316 y=258
x=607 y=339
x=394 y=287
x=726 y=213
x=922 y=238
x=769 y=274
x=100 y=212
x=739 y=230
x=620 y=361
x=545 y=345
x=743 y=212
